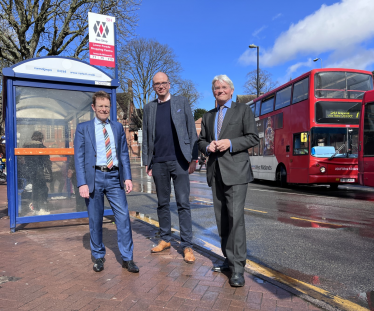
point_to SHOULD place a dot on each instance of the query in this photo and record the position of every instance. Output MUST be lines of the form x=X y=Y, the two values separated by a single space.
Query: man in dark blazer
x=170 y=152
x=102 y=166
x=227 y=132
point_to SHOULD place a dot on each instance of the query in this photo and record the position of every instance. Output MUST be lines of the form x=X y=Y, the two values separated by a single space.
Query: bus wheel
x=334 y=186
x=282 y=176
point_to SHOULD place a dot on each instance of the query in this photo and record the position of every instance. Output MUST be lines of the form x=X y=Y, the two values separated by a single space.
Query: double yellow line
x=259 y=270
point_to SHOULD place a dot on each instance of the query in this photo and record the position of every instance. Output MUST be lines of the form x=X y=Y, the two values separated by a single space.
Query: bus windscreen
x=349 y=85
x=344 y=140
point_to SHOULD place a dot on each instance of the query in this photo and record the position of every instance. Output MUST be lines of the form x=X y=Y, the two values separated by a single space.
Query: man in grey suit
x=226 y=134
x=170 y=152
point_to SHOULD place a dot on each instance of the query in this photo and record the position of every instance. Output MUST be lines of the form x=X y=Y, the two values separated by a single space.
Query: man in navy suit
x=103 y=167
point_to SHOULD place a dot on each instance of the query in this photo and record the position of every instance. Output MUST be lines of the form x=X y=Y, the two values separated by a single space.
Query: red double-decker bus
x=366 y=141
x=308 y=128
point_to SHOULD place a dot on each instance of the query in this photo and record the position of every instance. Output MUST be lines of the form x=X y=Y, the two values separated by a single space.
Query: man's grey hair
x=222 y=78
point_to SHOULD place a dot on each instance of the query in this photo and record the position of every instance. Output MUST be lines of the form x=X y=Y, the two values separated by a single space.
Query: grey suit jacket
x=183 y=121
x=238 y=126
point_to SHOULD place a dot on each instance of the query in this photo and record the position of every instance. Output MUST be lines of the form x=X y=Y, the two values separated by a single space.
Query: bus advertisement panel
x=308 y=128
x=366 y=141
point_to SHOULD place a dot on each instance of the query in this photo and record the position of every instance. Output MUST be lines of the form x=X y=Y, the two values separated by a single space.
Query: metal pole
x=115 y=52
x=258 y=71
x=321 y=62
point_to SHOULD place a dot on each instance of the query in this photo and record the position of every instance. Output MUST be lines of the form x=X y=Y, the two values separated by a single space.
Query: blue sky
x=212 y=37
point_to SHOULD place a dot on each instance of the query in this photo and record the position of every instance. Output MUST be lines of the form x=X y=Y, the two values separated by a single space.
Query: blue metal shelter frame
x=14 y=78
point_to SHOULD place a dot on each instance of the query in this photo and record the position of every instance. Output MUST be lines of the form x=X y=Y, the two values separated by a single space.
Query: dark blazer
x=183 y=121
x=85 y=153
x=238 y=126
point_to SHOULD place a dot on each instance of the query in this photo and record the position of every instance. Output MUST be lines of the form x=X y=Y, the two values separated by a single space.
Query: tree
x=198 y=113
x=140 y=60
x=54 y=27
x=266 y=83
x=187 y=89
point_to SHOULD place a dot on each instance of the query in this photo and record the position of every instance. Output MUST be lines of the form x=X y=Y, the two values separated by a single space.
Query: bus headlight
x=322 y=169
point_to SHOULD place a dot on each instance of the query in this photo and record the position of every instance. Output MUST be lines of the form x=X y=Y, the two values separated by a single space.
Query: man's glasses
x=223 y=88
x=159 y=84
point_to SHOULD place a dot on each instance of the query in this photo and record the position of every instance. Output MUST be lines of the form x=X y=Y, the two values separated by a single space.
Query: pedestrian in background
x=227 y=132
x=102 y=166
x=38 y=171
x=170 y=152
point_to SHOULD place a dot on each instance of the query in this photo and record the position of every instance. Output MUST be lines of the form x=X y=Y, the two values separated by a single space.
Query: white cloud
x=295 y=67
x=257 y=31
x=277 y=16
x=360 y=59
x=337 y=27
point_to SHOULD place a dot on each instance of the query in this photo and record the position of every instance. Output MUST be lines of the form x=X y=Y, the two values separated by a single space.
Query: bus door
x=299 y=158
x=366 y=162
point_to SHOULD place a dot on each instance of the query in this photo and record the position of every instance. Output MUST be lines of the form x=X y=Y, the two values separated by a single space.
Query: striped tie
x=220 y=120
x=108 y=149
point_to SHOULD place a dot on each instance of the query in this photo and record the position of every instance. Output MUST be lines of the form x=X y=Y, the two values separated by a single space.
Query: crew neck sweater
x=166 y=144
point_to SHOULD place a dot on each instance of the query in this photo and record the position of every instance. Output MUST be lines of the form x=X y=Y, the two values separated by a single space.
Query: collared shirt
x=100 y=143
x=226 y=106
x=166 y=99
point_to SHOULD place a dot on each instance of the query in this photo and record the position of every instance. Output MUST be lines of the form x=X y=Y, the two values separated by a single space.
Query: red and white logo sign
x=101 y=39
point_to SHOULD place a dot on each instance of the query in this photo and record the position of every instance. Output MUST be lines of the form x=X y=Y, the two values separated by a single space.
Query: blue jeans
x=162 y=175
x=108 y=183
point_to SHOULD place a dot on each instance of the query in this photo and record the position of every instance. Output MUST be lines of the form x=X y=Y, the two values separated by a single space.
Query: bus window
x=344 y=140
x=267 y=105
x=261 y=146
x=340 y=84
x=300 y=143
x=250 y=151
x=369 y=130
x=258 y=105
x=253 y=108
x=300 y=91
x=283 y=98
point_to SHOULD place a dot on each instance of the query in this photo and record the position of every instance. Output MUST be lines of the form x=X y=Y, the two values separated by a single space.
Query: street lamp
x=318 y=59
x=252 y=46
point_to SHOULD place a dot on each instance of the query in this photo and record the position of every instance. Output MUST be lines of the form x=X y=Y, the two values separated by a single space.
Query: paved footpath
x=47 y=266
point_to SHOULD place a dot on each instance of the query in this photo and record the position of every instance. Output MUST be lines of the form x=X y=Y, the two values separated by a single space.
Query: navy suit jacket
x=85 y=153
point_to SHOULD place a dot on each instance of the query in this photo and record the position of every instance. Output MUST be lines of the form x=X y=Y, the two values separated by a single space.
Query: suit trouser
x=108 y=183
x=228 y=204
x=162 y=174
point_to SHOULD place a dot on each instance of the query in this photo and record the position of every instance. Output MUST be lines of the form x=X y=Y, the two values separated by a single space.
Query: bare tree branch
x=55 y=27
x=266 y=83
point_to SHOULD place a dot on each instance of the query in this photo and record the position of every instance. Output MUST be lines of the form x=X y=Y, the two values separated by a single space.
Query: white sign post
x=140 y=141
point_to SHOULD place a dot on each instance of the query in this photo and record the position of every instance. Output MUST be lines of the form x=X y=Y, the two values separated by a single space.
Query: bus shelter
x=43 y=101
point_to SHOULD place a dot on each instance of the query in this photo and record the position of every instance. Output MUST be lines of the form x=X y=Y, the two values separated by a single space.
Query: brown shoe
x=188 y=255
x=160 y=247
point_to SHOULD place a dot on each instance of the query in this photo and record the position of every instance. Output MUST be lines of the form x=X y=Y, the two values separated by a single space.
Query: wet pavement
x=314 y=234
x=47 y=266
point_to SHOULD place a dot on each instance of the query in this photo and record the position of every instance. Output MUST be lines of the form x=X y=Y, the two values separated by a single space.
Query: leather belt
x=104 y=168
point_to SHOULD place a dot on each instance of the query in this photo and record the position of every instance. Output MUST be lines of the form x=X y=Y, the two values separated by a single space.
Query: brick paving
x=48 y=266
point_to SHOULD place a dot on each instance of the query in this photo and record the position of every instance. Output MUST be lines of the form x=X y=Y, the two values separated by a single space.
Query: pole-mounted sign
x=101 y=39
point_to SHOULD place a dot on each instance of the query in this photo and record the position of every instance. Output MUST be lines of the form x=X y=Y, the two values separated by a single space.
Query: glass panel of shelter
x=47 y=118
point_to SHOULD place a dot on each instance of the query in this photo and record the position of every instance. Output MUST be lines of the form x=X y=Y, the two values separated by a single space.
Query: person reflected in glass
x=38 y=169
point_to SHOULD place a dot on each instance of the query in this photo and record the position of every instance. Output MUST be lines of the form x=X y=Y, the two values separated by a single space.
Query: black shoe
x=237 y=280
x=99 y=265
x=224 y=267
x=130 y=266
